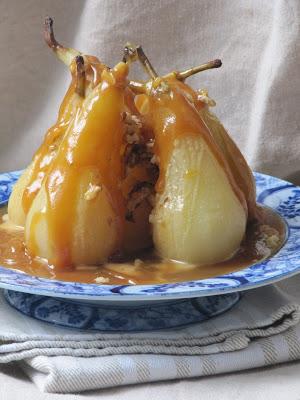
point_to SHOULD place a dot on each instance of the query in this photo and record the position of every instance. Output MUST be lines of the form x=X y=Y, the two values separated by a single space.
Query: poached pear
x=130 y=164
x=200 y=213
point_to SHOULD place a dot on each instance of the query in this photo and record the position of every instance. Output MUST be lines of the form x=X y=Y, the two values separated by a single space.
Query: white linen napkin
x=260 y=330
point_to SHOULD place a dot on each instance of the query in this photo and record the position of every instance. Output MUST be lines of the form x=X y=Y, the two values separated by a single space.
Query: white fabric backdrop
x=257 y=89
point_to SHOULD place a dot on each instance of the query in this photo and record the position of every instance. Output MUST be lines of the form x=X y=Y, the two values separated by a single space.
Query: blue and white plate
x=273 y=192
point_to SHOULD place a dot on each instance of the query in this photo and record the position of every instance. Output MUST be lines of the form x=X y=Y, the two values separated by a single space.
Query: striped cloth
x=261 y=330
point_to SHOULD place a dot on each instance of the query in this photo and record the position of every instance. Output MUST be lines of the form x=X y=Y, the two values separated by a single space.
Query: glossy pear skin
x=31 y=180
x=93 y=220
x=68 y=224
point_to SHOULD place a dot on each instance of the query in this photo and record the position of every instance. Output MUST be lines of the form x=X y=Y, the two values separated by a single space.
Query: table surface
x=276 y=383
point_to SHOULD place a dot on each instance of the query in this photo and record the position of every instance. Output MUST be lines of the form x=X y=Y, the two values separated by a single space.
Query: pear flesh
x=198 y=218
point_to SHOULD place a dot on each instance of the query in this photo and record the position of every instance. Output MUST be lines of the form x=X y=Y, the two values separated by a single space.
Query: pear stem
x=203 y=67
x=137 y=87
x=144 y=60
x=80 y=76
x=129 y=53
x=65 y=54
x=133 y=53
x=49 y=34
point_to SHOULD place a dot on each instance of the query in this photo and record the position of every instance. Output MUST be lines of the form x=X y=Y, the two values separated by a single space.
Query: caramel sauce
x=44 y=156
x=46 y=153
x=88 y=136
x=92 y=143
x=262 y=240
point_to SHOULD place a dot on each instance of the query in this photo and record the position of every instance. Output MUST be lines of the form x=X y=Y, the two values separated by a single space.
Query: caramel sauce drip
x=173 y=115
x=93 y=140
x=46 y=153
x=238 y=166
x=71 y=103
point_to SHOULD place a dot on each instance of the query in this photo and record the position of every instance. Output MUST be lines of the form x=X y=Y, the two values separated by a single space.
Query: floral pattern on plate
x=113 y=318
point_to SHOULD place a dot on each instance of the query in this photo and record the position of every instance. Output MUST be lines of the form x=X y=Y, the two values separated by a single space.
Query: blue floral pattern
x=7 y=181
x=286 y=200
x=276 y=193
x=160 y=315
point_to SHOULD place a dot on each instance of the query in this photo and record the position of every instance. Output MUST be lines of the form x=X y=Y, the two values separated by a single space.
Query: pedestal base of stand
x=120 y=316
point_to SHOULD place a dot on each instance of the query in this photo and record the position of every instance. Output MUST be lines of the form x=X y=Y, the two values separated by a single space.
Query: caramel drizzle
x=86 y=72
x=173 y=116
x=44 y=156
x=156 y=92
x=92 y=141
